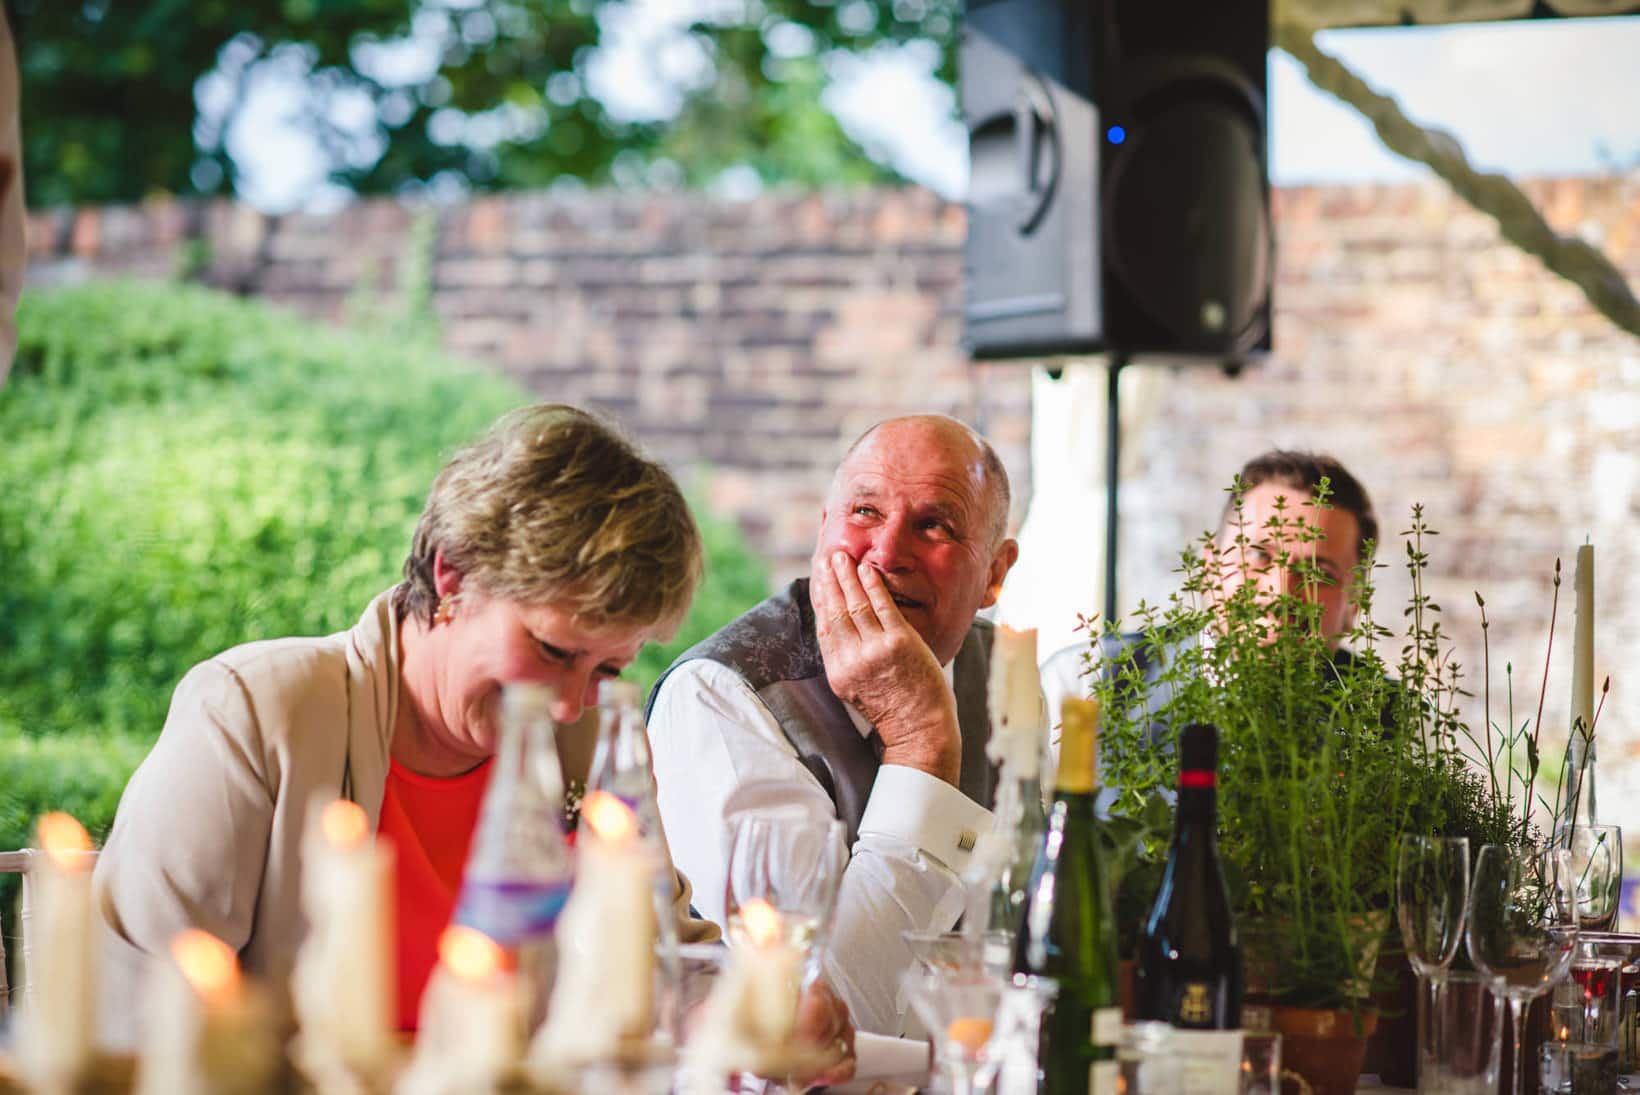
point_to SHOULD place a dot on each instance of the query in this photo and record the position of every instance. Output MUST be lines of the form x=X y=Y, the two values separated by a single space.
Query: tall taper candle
x=1583 y=673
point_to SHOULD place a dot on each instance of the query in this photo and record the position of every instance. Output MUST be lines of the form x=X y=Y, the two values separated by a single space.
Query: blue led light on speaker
x=1115 y=134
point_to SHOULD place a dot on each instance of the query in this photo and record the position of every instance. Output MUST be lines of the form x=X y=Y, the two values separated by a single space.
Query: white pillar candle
x=603 y=998
x=209 y=1031
x=1015 y=701
x=472 y=1018
x=59 y=1012
x=1583 y=639
x=343 y=983
x=752 y=1010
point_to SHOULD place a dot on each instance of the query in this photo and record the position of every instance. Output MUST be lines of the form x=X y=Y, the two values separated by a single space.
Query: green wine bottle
x=1069 y=929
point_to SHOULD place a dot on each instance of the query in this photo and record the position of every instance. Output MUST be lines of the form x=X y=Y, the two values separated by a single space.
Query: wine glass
x=1522 y=927
x=794 y=861
x=791 y=862
x=959 y=1009
x=1597 y=864
x=1431 y=899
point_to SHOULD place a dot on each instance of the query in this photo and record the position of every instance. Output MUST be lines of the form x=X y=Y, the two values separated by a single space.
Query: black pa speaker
x=1119 y=196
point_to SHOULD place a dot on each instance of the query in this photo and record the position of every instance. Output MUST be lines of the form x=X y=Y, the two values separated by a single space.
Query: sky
x=1539 y=97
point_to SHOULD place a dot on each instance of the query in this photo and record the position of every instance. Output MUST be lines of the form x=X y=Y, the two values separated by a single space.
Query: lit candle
x=209 y=1032
x=472 y=1018
x=602 y=999
x=770 y=972
x=751 y=1014
x=59 y=1009
x=342 y=986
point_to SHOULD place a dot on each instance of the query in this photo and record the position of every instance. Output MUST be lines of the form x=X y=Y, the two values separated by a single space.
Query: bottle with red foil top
x=1188 y=970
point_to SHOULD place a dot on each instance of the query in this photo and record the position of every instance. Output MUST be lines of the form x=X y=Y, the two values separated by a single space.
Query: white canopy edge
x=1356 y=13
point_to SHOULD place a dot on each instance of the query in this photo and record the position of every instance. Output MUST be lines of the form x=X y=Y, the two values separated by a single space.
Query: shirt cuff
x=909 y=804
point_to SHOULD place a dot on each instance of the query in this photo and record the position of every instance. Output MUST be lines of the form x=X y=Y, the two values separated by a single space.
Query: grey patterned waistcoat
x=773 y=646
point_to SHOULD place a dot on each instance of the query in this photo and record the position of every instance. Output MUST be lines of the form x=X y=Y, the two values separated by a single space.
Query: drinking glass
x=1260 y=1063
x=989 y=950
x=1583 y=1049
x=1469 y=1022
x=1522 y=927
x=1597 y=864
x=1431 y=899
x=794 y=861
x=959 y=1009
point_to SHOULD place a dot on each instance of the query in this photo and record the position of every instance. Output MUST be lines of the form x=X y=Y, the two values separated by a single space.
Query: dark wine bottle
x=1068 y=931
x=1188 y=968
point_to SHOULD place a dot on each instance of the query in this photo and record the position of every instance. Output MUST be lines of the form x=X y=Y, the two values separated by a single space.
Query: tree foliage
x=125 y=99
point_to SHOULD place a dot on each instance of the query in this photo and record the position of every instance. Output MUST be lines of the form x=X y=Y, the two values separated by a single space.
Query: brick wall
x=747 y=342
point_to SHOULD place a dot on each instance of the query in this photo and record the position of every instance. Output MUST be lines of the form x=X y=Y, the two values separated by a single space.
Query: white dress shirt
x=711 y=737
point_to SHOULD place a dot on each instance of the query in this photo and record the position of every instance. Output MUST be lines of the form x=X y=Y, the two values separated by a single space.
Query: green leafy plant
x=1327 y=754
x=186 y=471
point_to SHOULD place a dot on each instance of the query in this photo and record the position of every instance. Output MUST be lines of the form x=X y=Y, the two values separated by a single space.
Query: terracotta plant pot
x=1324 y=1046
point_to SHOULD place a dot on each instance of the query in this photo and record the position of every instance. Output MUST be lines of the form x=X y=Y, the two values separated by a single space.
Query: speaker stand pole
x=1113 y=454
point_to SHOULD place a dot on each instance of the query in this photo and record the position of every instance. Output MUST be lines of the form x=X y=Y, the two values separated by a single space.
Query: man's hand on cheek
x=877 y=662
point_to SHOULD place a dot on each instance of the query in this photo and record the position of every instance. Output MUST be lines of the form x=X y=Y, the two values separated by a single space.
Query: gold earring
x=446 y=610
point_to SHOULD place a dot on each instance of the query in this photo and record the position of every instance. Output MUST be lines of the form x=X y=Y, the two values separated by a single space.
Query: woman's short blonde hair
x=553 y=506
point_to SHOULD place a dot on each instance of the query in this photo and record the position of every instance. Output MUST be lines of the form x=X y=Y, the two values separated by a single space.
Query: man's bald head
x=923 y=500
x=997 y=496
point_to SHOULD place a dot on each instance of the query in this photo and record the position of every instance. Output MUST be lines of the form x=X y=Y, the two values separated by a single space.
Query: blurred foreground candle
x=1016 y=692
x=472 y=1018
x=751 y=1015
x=59 y=1010
x=209 y=1031
x=602 y=1000
x=342 y=986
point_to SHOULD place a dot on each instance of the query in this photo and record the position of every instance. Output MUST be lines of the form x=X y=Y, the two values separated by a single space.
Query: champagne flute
x=1431 y=900
x=1522 y=927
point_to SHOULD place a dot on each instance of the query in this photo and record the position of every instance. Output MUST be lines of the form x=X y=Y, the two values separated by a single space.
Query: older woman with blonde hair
x=549 y=551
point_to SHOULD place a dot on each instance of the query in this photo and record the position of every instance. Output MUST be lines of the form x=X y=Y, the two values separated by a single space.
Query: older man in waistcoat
x=857 y=694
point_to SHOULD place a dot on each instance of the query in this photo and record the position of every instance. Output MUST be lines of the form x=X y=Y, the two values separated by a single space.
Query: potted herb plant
x=1328 y=752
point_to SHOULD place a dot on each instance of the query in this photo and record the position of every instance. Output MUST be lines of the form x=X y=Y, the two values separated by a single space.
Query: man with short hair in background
x=857 y=694
x=1279 y=480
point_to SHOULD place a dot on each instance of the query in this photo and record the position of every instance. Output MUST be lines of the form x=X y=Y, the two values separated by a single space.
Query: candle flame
x=344 y=824
x=208 y=963
x=762 y=922
x=64 y=840
x=608 y=816
x=470 y=954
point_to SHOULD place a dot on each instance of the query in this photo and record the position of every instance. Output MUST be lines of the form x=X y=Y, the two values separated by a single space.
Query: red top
x=430 y=823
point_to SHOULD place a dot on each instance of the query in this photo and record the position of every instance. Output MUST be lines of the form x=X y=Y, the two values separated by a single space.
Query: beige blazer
x=209 y=830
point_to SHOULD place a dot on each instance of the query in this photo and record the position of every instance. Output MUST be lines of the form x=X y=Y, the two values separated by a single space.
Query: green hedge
x=183 y=471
